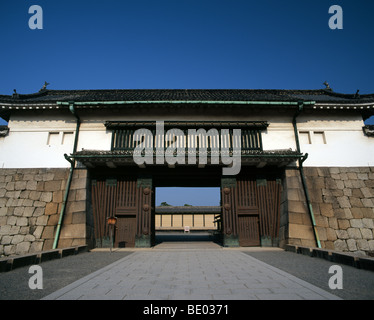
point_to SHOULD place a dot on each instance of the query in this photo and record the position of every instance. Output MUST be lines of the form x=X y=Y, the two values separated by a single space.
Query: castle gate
x=250 y=199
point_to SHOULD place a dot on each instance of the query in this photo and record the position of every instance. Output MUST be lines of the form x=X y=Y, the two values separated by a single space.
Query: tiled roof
x=280 y=157
x=136 y=95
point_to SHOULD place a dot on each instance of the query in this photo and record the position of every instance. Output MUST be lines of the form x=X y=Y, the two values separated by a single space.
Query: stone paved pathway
x=210 y=273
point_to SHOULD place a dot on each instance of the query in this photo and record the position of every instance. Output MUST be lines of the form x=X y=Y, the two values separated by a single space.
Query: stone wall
x=30 y=205
x=343 y=205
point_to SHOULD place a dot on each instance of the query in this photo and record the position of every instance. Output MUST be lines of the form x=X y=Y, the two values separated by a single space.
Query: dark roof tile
x=53 y=96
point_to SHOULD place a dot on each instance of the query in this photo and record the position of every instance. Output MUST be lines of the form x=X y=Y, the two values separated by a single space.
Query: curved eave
x=113 y=159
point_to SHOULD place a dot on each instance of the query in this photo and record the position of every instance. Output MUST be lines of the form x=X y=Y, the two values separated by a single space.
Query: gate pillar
x=229 y=215
x=145 y=230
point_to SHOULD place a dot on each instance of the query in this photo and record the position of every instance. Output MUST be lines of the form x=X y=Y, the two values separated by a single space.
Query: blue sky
x=186 y=44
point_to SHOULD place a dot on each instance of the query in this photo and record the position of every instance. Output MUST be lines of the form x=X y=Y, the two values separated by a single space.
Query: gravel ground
x=56 y=274
x=357 y=284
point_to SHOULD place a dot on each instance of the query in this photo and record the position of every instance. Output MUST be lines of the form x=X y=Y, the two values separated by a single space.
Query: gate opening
x=187 y=214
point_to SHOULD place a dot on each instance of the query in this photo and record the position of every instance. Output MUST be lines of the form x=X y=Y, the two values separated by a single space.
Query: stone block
x=9 y=250
x=3 y=211
x=295 y=206
x=40 y=204
x=78 y=184
x=326 y=209
x=28 y=203
x=78 y=206
x=79 y=217
x=367 y=192
x=10 y=186
x=334 y=170
x=295 y=218
x=35 y=195
x=73 y=231
x=351 y=243
x=342 y=234
x=322 y=234
x=19 y=211
x=321 y=221
x=57 y=196
x=368 y=223
x=18 y=238
x=369 y=183
x=357 y=213
x=22 y=221
x=355 y=202
x=46 y=196
x=48 y=176
x=31 y=185
x=315 y=195
x=29 y=237
x=343 y=224
x=340 y=245
x=48 y=232
x=28 y=212
x=25 y=230
x=344 y=202
x=14 y=230
x=51 y=208
x=331 y=234
x=20 y=185
x=23 y=247
x=40 y=186
x=352 y=175
x=344 y=176
x=371 y=245
x=362 y=244
x=5 y=230
x=354 y=233
x=38 y=212
x=36 y=246
x=340 y=185
x=52 y=185
x=53 y=219
x=294 y=182
x=368 y=213
x=38 y=232
x=356 y=223
x=368 y=203
x=366 y=233
x=42 y=220
x=300 y=232
x=81 y=195
x=333 y=223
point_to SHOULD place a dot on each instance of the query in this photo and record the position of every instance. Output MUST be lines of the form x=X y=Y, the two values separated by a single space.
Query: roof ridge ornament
x=15 y=94
x=327 y=86
x=357 y=95
x=44 y=88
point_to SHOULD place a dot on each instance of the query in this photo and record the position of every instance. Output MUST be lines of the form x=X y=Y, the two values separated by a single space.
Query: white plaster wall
x=345 y=144
x=27 y=145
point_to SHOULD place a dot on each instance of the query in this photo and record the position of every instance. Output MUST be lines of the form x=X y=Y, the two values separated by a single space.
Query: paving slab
x=190 y=274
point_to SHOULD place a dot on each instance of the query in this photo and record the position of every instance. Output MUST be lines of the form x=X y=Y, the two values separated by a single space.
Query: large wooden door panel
x=248 y=231
x=125 y=232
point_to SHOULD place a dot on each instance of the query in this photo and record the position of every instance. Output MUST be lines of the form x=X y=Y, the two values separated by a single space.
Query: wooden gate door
x=248 y=213
x=248 y=231
x=112 y=197
x=125 y=232
x=126 y=210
